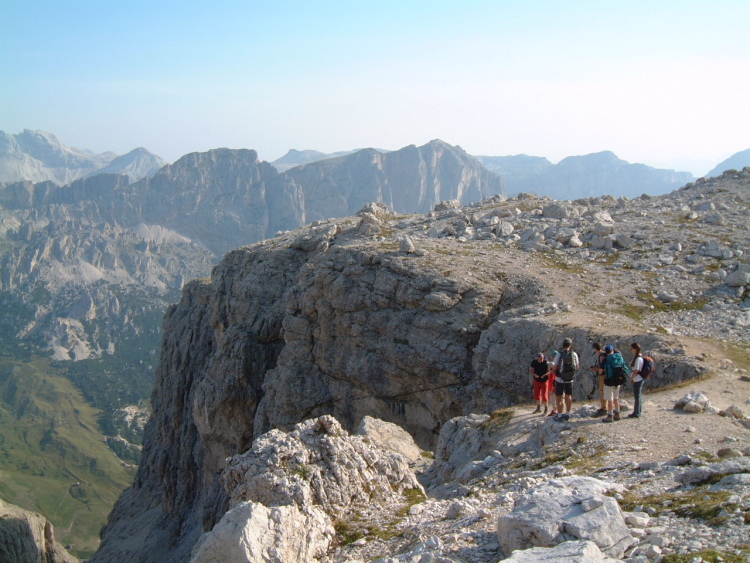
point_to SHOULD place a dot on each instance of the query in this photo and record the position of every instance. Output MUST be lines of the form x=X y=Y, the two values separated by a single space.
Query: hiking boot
x=553 y=413
x=538 y=409
x=607 y=418
x=565 y=417
x=616 y=416
x=599 y=412
x=545 y=411
x=633 y=415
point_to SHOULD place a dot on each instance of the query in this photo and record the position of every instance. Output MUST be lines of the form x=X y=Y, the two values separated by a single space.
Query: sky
x=664 y=83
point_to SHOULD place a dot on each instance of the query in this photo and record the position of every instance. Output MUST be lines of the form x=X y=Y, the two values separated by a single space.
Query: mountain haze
x=88 y=244
x=294 y=158
x=36 y=156
x=589 y=175
x=737 y=161
x=412 y=179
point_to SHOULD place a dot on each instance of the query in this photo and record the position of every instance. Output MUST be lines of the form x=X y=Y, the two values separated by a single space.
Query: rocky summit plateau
x=358 y=389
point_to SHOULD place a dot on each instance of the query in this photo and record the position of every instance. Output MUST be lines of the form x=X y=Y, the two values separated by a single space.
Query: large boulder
x=318 y=464
x=578 y=551
x=390 y=437
x=251 y=533
x=566 y=509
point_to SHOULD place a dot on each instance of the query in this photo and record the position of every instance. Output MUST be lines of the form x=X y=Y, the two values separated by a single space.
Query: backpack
x=619 y=375
x=649 y=366
x=620 y=370
x=567 y=366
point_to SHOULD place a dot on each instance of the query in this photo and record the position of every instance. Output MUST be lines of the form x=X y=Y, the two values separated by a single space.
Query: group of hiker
x=610 y=372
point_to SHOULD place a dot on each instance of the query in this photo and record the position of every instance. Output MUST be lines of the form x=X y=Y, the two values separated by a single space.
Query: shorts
x=611 y=393
x=563 y=387
x=541 y=391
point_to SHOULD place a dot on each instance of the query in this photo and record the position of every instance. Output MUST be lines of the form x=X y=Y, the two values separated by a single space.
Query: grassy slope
x=53 y=459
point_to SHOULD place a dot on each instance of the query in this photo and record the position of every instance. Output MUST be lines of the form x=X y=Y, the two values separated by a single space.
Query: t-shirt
x=637 y=367
x=559 y=363
x=540 y=368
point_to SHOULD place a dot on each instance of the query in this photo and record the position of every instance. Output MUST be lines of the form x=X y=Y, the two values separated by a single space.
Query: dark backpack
x=567 y=366
x=620 y=371
x=649 y=366
x=619 y=375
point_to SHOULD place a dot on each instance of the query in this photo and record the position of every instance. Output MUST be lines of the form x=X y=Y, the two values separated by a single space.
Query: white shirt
x=637 y=367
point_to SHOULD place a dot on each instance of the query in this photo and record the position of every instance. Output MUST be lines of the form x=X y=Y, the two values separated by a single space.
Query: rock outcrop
x=28 y=537
x=566 y=509
x=329 y=321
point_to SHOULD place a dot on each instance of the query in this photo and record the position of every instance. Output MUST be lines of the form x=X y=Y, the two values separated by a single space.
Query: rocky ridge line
x=418 y=319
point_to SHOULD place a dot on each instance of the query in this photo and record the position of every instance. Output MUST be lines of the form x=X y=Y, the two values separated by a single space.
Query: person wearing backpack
x=615 y=374
x=566 y=366
x=598 y=369
x=539 y=371
x=637 y=378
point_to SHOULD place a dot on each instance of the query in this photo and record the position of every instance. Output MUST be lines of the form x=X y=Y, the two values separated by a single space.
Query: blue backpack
x=649 y=366
x=619 y=370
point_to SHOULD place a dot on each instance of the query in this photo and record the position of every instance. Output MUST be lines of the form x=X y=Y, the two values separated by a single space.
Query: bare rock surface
x=566 y=509
x=27 y=537
x=327 y=320
x=317 y=464
x=252 y=532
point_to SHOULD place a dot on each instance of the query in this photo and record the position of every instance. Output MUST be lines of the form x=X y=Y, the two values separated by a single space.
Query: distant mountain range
x=583 y=176
x=81 y=263
x=95 y=248
x=37 y=156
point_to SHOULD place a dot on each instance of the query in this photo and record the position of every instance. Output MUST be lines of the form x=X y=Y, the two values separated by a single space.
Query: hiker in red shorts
x=539 y=370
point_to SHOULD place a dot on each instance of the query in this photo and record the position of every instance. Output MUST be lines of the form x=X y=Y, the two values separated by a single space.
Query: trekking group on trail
x=610 y=372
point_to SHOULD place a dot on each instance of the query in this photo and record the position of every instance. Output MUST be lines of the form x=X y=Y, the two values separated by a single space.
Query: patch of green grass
x=346 y=533
x=351 y=529
x=412 y=497
x=607 y=258
x=53 y=458
x=700 y=503
x=385 y=534
x=739 y=354
x=705 y=555
x=388 y=245
x=303 y=471
x=708 y=456
x=648 y=304
x=498 y=419
x=557 y=262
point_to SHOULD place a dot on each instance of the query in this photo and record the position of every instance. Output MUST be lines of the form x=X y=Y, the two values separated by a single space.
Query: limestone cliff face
x=412 y=179
x=325 y=321
x=222 y=198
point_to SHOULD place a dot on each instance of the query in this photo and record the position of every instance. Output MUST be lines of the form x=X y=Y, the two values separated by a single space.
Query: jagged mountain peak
x=39 y=156
x=136 y=164
x=216 y=157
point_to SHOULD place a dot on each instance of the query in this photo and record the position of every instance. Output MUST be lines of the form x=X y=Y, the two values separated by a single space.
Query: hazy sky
x=665 y=83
